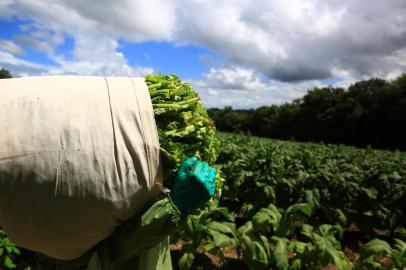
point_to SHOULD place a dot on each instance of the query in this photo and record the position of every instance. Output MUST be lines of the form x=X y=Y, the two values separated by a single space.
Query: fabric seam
x=146 y=148
x=114 y=132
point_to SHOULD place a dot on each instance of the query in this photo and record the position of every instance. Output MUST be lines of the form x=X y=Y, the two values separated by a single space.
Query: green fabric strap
x=141 y=238
x=141 y=243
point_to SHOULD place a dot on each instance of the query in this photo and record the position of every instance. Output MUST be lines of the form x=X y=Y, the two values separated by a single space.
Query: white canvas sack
x=78 y=156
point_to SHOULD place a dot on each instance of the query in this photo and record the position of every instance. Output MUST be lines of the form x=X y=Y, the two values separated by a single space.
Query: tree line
x=370 y=112
x=5 y=74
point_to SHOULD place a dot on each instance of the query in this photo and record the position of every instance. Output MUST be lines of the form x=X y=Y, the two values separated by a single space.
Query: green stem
x=155 y=93
x=181 y=131
x=154 y=86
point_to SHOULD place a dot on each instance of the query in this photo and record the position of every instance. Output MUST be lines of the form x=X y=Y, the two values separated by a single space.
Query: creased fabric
x=79 y=155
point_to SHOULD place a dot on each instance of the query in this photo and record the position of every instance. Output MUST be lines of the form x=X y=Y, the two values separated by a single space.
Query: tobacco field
x=288 y=205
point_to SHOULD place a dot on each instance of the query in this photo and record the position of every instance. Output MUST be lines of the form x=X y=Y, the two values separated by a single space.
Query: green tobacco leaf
x=246 y=228
x=340 y=260
x=220 y=227
x=307 y=230
x=221 y=240
x=325 y=229
x=399 y=253
x=313 y=197
x=400 y=245
x=269 y=193
x=293 y=218
x=16 y=250
x=186 y=261
x=296 y=264
x=8 y=263
x=246 y=208
x=375 y=247
x=341 y=216
x=369 y=264
x=267 y=219
x=298 y=247
x=304 y=208
x=280 y=253
x=256 y=253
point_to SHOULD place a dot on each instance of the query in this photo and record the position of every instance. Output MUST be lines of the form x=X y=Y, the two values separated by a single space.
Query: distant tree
x=370 y=112
x=5 y=74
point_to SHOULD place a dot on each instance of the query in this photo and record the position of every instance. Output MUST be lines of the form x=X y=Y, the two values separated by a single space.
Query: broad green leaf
x=223 y=211
x=269 y=193
x=325 y=229
x=266 y=219
x=16 y=250
x=186 y=261
x=246 y=208
x=400 y=245
x=341 y=216
x=220 y=227
x=304 y=208
x=298 y=247
x=313 y=197
x=371 y=193
x=221 y=240
x=322 y=243
x=339 y=259
x=255 y=254
x=246 y=228
x=280 y=253
x=375 y=247
x=399 y=253
x=307 y=230
x=9 y=248
x=8 y=263
x=296 y=264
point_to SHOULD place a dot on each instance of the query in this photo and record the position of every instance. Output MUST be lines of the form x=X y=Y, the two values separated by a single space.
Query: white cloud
x=244 y=88
x=273 y=50
x=39 y=45
x=95 y=49
x=20 y=67
x=11 y=47
x=236 y=78
x=286 y=40
x=300 y=40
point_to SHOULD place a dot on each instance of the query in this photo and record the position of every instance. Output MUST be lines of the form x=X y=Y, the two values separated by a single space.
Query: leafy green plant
x=378 y=254
x=202 y=233
x=8 y=251
x=252 y=237
x=324 y=248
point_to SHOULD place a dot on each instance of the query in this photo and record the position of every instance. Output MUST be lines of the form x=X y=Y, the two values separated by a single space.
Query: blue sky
x=243 y=54
x=187 y=61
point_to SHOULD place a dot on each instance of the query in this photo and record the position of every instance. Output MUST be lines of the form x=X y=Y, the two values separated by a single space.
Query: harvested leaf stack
x=184 y=127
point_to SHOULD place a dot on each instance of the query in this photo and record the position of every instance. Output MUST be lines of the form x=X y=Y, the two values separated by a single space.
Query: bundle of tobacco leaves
x=184 y=127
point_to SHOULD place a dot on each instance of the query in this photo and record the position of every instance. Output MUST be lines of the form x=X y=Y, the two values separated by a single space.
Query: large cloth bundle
x=78 y=157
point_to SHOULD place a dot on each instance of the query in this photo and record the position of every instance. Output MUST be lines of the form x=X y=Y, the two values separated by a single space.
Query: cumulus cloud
x=11 y=47
x=39 y=45
x=235 y=78
x=285 y=40
x=301 y=40
x=244 y=88
x=275 y=48
x=20 y=67
x=95 y=49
